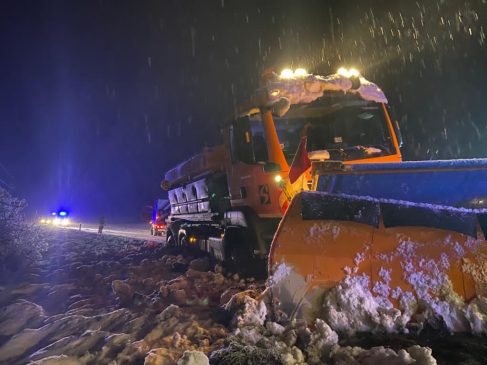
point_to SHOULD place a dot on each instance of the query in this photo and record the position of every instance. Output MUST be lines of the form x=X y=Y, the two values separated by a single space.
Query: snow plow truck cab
x=229 y=199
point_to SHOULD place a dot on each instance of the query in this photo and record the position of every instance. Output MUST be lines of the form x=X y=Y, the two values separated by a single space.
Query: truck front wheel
x=170 y=242
x=238 y=255
x=183 y=240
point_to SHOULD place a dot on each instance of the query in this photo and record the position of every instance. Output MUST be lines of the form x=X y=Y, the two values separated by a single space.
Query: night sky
x=99 y=98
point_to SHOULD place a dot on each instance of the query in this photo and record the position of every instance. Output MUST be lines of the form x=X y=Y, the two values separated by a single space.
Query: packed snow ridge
x=261 y=337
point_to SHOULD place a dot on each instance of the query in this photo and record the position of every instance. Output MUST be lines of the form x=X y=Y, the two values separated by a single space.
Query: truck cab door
x=250 y=183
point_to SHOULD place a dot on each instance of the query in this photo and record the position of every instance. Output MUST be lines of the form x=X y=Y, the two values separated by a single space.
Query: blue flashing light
x=53 y=213
x=63 y=213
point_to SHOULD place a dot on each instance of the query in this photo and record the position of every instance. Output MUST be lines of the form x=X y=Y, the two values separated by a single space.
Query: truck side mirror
x=271 y=167
x=395 y=126
x=281 y=107
x=398 y=134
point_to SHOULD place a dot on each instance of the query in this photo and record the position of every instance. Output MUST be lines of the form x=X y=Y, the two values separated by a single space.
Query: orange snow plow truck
x=310 y=180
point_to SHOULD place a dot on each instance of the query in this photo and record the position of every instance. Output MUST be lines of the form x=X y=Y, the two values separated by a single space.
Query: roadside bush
x=20 y=242
x=239 y=353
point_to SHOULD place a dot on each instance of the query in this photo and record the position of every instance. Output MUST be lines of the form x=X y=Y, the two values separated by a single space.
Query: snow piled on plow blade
x=351 y=306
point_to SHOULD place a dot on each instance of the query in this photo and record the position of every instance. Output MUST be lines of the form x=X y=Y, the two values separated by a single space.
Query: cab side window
x=241 y=141
x=260 y=147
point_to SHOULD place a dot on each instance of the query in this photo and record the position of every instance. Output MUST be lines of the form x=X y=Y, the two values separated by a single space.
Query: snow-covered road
x=107 y=299
x=140 y=231
x=110 y=299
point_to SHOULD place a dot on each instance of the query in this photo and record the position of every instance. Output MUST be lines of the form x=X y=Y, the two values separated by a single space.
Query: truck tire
x=238 y=254
x=170 y=242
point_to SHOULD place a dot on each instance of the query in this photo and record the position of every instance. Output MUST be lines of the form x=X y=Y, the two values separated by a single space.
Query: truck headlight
x=350 y=72
x=300 y=72
x=287 y=73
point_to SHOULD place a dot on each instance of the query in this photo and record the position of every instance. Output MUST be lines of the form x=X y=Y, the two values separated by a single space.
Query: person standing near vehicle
x=101 y=224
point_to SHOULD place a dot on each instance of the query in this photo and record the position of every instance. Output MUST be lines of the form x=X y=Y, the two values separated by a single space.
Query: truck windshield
x=351 y=130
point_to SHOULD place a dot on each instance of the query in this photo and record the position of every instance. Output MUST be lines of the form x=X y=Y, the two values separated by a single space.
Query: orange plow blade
x=410 y=257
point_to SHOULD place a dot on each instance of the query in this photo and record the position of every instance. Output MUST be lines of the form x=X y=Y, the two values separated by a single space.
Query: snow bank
x=58 y=360
x=247 y=311
x=254 y=312
x=20 y=315
x=294 y=342
x=351 y=307
x=193 y=358
x=322 y=340
x=71 y=313
x=383 y=356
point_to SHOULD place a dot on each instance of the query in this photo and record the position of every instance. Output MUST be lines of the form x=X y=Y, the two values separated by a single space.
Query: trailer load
x=210 y=160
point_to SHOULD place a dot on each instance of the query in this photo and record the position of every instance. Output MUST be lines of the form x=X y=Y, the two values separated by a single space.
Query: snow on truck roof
x=211 y=159
x=299 y=87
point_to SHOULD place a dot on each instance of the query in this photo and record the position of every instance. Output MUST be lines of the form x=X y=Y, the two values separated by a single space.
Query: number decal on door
x=265 y=197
